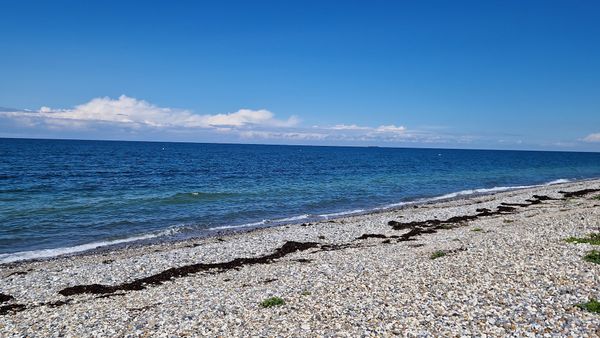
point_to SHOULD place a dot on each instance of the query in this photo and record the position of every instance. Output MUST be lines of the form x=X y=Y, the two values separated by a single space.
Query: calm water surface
x=62 y=196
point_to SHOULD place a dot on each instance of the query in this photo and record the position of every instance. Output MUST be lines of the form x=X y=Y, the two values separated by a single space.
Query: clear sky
x=459 y=74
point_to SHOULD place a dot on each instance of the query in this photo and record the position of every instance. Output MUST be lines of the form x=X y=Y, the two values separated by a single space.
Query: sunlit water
x=64 y=196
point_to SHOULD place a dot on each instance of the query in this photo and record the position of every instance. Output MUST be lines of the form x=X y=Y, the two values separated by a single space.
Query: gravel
x=515 y=277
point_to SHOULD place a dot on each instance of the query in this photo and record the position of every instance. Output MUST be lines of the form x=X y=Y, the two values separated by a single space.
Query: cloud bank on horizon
x=135 y=119
x=139 y=113
x=134 y=115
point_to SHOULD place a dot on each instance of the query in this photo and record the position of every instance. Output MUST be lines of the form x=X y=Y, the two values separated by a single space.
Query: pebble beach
x=487 y=265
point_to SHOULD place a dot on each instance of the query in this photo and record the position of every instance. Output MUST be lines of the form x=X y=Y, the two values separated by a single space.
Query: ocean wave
x=497 y=189
x=263 y=222
x=47 y=253
x=392 y=205
x=473 y=192
x=342 y=213
x=559 y=181
x=385 y=207
x=291 y=219
x=246 y=225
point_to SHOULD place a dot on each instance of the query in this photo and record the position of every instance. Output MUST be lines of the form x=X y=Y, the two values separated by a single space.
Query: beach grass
x=273 y=301
x=593 y=239
x=592 y=256
x=437 y=254
x=592 y=306
x=477 y=229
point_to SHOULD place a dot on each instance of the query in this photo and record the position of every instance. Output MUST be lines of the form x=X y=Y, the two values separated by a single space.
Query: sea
x=67 y=196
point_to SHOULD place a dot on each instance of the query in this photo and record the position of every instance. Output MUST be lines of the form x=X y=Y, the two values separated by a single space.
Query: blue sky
x=457 y=74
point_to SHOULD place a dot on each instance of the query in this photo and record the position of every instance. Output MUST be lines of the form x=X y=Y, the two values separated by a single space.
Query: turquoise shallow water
x=62 y=196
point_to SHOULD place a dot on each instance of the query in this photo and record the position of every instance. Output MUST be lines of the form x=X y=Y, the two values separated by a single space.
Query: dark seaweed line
x=5 y=298
x=431 y=226
x=14 y=308
x=417 y=228
x=159 y=278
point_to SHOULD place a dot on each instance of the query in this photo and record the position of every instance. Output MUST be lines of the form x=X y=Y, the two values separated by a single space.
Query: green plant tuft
x=477 y=229
x=508 y=221
x=592 y=306
x=592 y=257
x=597 y=198
x=306 y=293
x=273 y=301
x=437 y=254
x=593 y=239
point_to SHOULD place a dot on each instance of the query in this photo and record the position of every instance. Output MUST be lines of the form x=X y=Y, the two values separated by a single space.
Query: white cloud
x=592 y=138
x=248 y=117
x=300 y=135
x=115 y=118
x=349 y=127
x=385 y=134
x=390 y=129
x=139 y=113
x=381 y=129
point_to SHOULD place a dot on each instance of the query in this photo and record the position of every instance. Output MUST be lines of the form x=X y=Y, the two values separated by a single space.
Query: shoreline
x=150 y=239
x=365 y=273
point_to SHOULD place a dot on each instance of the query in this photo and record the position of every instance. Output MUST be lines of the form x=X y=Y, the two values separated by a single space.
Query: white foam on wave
x=47 y=253
x=291 y=219
x=342 y=213
x=476 y=191
x=473 y=192
x=389 y=206
x=559 y=181
x=263 y=222
x=393 y=205
x=246 y=225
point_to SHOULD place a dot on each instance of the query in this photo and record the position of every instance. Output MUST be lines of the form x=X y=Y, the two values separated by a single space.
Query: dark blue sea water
x=63 y=196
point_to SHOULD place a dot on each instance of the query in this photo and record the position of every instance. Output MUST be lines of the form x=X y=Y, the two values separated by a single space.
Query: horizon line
x=293 y=145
